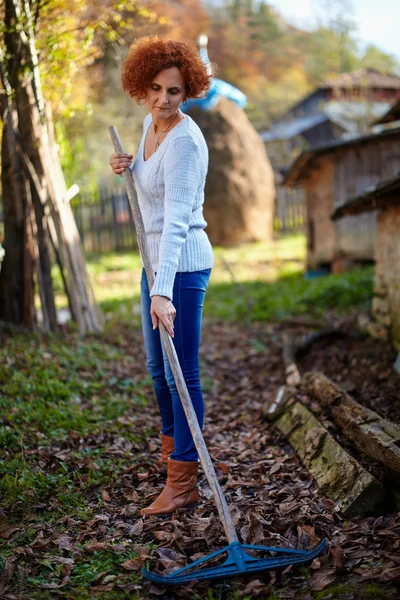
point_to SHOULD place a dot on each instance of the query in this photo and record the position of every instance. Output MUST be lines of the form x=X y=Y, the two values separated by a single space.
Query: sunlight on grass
x=259 y=281
x=289 y=295
x=116 y=277
x=260 y=261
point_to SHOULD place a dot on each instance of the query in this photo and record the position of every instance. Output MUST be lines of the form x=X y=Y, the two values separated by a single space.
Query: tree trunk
x=16 y=273
x=35 y=210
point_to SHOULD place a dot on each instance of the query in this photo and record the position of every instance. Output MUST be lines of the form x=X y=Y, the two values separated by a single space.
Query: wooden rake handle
x=190 y=413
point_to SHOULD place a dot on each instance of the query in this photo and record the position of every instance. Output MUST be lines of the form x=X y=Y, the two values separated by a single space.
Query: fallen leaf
x=6 y=531
x=392 y=574
x=275 y=468
x=137 y=528
x=337 y=556
x=133 y=564
x=156 y=590
x=96 y=546
x=223 y=467
x=101 y=589
x=6 y=574
x=105 y=496
x=306 y=537
x=254 y=589
x=321 y=579
x=369 y=572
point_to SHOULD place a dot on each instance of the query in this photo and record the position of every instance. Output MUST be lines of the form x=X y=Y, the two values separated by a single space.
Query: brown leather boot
x=167 y=448
x=179 y=492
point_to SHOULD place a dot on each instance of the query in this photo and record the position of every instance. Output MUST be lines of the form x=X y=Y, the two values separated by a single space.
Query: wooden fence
x=105 y=222
x=290 y=209
x=107 y=225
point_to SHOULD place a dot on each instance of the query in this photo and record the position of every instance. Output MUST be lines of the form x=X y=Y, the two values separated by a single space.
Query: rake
x=238 y=561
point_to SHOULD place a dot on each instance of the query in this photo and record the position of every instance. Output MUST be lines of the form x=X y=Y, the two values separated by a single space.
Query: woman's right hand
x=120 y=162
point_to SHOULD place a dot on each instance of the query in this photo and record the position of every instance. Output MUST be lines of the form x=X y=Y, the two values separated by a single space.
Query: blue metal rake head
x=238 y=562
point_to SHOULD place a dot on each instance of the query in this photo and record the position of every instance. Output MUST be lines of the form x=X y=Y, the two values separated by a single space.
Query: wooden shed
x=347 y=102
x=331 y=174
x=344 y=105
x=384 y=198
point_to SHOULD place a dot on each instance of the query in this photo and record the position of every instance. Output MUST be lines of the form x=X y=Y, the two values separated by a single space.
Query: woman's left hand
x=163 y=309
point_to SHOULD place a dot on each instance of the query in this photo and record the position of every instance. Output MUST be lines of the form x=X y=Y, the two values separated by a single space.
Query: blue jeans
x=188 y=299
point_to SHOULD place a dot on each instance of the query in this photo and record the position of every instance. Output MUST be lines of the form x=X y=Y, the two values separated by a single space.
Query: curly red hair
x=151 y=54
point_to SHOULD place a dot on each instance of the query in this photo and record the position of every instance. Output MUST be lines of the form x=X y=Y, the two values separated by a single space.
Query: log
x=337 y=474
x=374 y=435
x=285 y=394
x=274 y=408
x=80 y=291
x=291 y=371
x=316 y=336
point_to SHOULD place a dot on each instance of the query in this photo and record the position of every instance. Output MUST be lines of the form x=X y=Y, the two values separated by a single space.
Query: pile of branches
x=38 y=219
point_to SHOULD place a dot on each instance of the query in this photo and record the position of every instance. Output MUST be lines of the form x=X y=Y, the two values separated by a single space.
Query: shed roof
x=385 y=193
x=393 y=114
x=370 y=78
x=345 y=115
x=350 y=116
x=298 y=169
x=284 y=130
x=361 y=78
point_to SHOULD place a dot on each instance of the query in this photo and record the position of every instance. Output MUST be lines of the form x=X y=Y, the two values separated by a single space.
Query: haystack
x=240 y=188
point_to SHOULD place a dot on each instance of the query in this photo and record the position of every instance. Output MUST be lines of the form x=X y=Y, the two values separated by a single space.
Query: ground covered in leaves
x=79 y=445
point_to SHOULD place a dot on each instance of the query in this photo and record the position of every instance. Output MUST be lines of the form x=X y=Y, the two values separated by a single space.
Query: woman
x=169 y=172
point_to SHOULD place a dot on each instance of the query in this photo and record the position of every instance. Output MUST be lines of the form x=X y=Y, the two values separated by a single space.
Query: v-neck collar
x=168 y=133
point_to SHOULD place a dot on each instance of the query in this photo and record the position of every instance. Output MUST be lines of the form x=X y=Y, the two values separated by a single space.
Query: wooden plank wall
x=320 y=227
x=290 y=209
x=357 y=169
x=360 y=167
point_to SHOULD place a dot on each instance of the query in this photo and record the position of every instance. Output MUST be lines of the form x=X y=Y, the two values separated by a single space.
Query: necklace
x=171 y=121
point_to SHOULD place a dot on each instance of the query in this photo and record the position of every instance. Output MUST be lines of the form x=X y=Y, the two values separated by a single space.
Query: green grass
x=290 y=295
x=52 y=390
x=254 y=281
x=61 y=405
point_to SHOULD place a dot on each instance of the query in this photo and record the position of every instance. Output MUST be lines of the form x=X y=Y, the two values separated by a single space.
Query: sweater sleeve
x=182 y=177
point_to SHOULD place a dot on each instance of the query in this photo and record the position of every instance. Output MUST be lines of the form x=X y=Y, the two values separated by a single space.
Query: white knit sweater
x=170 y=189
